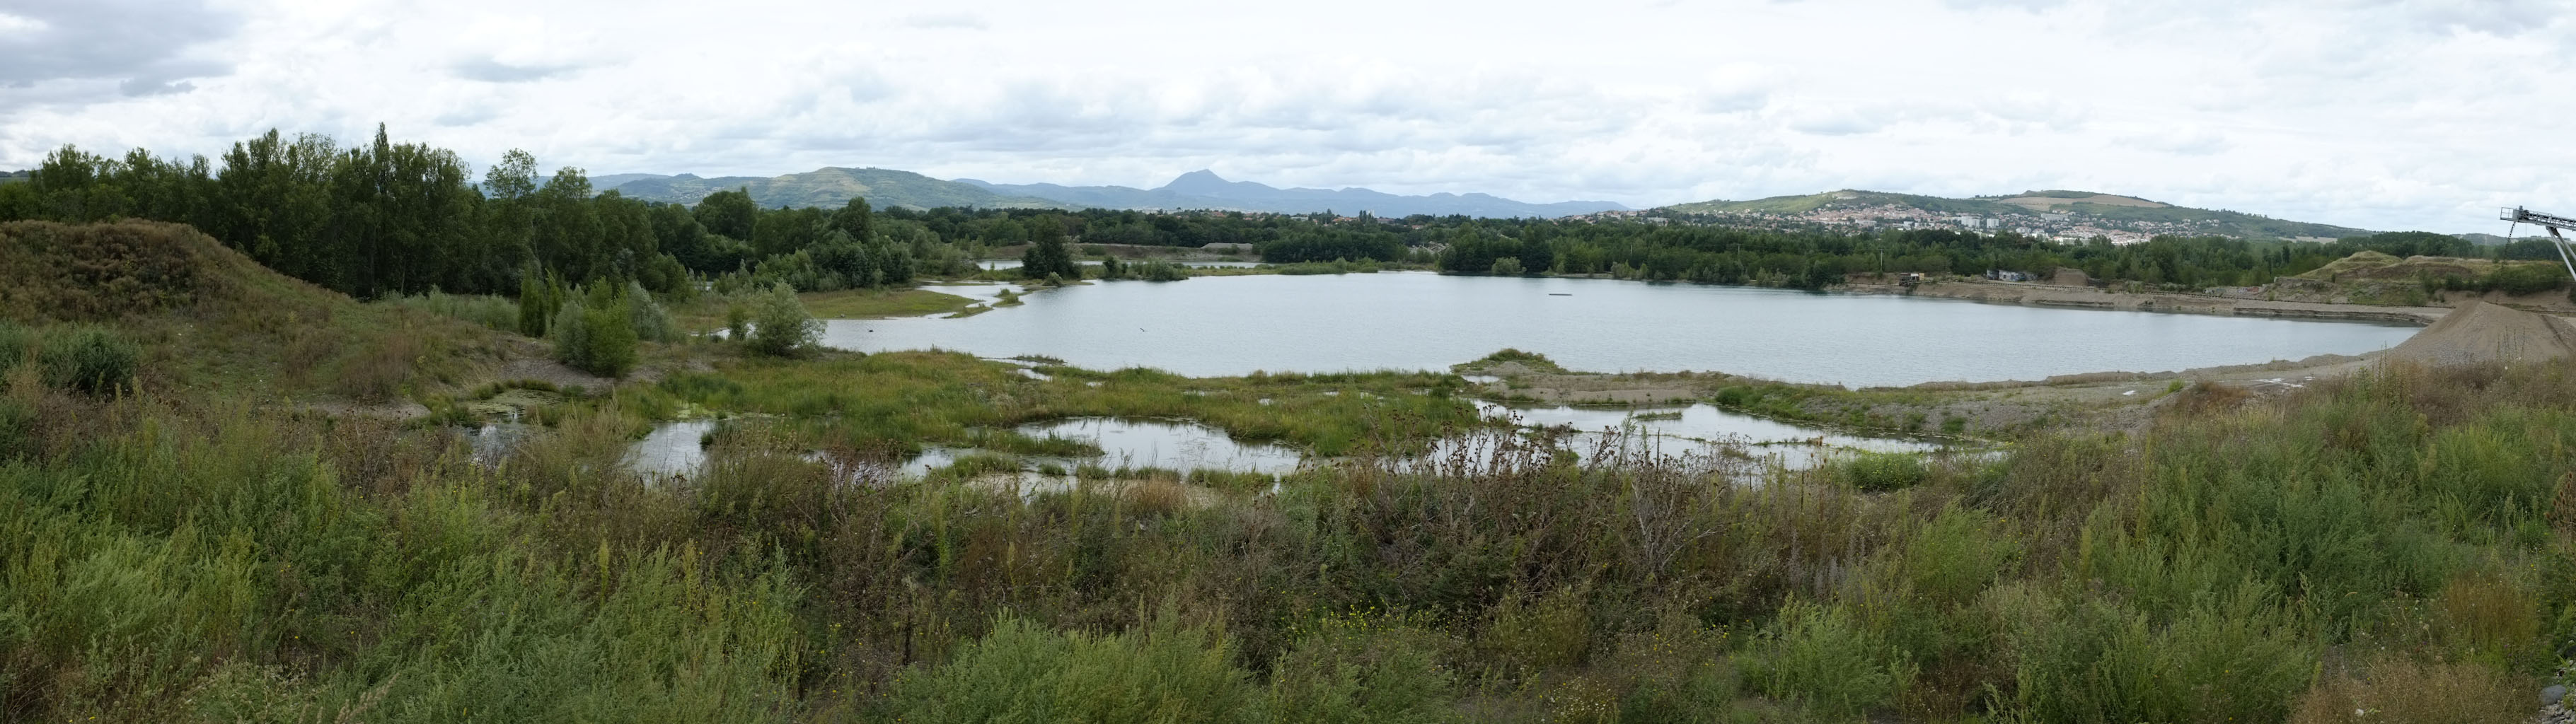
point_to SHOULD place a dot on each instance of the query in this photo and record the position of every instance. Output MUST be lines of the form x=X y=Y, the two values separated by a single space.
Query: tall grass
x=490 y=311
x=2381 y=544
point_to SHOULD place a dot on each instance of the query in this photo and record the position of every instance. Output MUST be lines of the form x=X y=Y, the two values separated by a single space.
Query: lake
x=1215 y=326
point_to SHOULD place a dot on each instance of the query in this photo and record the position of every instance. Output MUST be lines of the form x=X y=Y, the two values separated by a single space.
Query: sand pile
x=2478 y=332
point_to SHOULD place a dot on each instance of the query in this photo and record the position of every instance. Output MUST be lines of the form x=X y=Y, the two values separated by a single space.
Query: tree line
x=394 y=218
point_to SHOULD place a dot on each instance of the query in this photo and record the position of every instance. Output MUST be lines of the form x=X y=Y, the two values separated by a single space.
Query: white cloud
x=2373 y=113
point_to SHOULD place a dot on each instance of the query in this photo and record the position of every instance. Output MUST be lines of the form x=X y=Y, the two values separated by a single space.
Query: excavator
x=2554 y=223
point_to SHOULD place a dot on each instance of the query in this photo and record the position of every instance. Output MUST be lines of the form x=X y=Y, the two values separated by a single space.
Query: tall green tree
x=1047 y=254
x=855 y=219
x=728 y=213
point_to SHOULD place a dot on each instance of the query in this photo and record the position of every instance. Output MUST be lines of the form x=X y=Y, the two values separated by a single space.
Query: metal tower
x=2554 y=223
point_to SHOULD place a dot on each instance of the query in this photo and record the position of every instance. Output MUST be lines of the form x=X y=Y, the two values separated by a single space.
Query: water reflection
x=1418 y=321
x=1699 y=437
x=1132 y=443
x=673 y=450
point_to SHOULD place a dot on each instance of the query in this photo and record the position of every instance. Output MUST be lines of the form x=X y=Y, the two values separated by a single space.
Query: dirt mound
x=97 y=271
x=2479 y=332
x=2372 y=265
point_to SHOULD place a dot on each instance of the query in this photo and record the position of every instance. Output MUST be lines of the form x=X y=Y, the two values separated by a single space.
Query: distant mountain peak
x=1203 y=181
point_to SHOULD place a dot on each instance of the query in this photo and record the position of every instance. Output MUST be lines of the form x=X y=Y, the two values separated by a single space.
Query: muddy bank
x=2044 y=295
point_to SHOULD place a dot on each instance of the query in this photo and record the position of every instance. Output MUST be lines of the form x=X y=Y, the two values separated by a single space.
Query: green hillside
x=2049 y=210
x=831 y=187
x=1844 y=199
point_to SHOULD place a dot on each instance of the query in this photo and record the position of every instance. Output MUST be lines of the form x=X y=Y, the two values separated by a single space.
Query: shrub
x=1160 y=271
x=17 y=426
x=737 y=321
x=1825 y=656
x=1536 y=633
x=651 y=323
x=2487 y=618
x=2236 y=657
x=1024 y=672
x=378 y=372
x=16 y=343
x=2518 y=279
x=595 y=333
x=1884 y=471
x=783 y=327
x=490 y=311
x=88 y=358
x=2400 y=690
x=1508 y=266
x=1361 y=670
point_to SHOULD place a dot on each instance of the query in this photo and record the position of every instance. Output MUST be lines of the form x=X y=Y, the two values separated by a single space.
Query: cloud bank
x=2392 y=114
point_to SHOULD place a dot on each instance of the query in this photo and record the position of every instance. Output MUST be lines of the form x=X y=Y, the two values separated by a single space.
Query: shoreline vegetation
x=234 y=495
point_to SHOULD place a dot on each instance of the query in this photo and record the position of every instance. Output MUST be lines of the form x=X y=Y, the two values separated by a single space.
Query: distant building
x=2006 y=276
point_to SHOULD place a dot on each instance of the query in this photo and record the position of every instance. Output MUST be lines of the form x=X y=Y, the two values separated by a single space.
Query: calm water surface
x=1418 y=320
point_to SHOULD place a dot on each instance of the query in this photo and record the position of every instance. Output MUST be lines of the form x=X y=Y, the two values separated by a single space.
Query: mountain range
x=1203 y=189
x=833 y=186
x=2052 y=212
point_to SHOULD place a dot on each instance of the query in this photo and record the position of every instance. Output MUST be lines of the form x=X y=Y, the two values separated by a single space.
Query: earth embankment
x=2043 y=295
x=2480 y=332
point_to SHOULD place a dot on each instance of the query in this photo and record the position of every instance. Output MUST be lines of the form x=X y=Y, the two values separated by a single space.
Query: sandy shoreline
x=2044 y=295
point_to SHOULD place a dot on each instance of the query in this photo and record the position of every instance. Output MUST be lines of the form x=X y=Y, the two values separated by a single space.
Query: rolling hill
x=2047 y=211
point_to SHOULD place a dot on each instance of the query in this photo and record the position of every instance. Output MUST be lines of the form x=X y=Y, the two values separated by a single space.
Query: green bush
x=1159 y=271
x=737 y=321
x=15 y=345
x=1023 y=672
x=17 y=426
x=1825 y=656
x=88 y=358
x=1364 y=671
x=490 y=311
x=2520 y=279
x=646 y=316
x=782 y=326
x=595 y=332
x=1884 y=471
x=2230 y=657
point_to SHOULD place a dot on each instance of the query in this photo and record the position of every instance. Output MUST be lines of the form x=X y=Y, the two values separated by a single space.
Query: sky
x=2400 y=114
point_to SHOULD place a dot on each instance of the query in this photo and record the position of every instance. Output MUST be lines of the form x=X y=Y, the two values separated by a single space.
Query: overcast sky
x=2384 y=115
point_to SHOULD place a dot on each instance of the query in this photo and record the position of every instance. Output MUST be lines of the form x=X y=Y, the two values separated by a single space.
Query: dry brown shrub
x=1154 y=496
x=2204 y=397
x=2487 y=615
x=2403 y=690
x=378 y=372
x=51 y=271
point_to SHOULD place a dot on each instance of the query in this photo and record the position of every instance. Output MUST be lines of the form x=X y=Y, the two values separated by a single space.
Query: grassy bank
x=2399 y=544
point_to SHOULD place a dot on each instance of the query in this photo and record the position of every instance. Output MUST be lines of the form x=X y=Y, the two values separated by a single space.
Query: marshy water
x=676 y=450
x=1217 y=326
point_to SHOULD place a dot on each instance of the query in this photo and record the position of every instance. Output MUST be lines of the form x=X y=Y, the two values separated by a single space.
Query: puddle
x=673 y=450
x=1699 y=429
x=1481 y=379
x=493 y=442
x=1127 y=443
